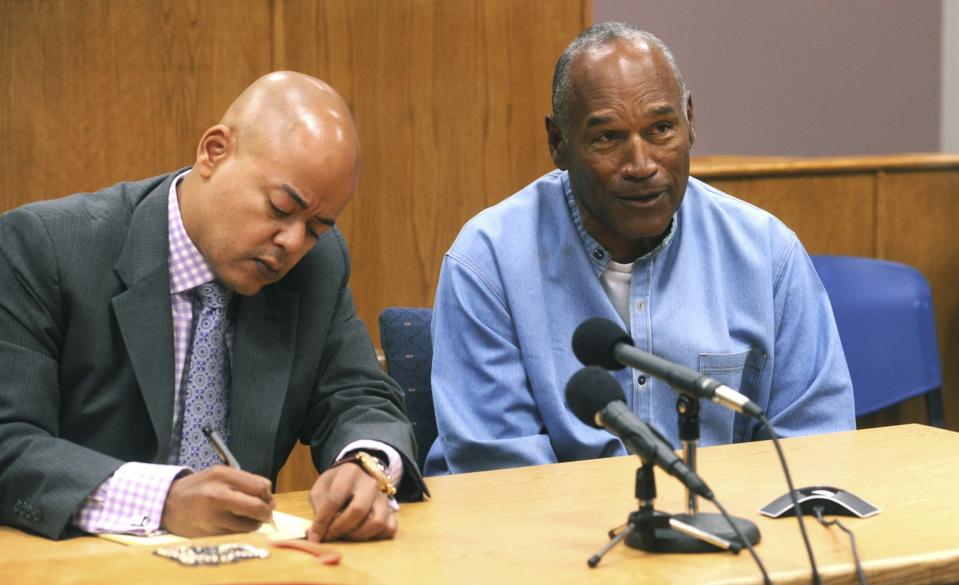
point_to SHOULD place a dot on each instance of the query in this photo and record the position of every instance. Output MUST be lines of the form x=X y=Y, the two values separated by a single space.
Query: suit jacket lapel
x=265 y=335
x=143 y=310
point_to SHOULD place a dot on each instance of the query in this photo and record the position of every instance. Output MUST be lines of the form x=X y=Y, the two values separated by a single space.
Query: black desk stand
x=654 y=531
x=688 y=410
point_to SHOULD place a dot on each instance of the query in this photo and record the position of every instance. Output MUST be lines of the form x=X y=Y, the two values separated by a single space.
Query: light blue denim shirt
x=730 y=292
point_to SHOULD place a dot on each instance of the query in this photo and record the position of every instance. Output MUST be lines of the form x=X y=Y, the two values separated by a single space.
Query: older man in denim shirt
x=621 y=231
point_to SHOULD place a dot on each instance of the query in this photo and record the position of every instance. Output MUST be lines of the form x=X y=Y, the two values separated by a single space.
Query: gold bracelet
x=374 y=468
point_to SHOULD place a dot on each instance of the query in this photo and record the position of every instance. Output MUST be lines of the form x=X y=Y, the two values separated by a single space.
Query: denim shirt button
x=641 y=380
x=598 y=254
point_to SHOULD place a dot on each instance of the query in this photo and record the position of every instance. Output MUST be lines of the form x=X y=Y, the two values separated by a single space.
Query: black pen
x=216 y=441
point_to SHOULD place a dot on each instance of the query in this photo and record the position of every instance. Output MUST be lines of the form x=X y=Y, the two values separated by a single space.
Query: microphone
x=597 y=399
x=600 y=342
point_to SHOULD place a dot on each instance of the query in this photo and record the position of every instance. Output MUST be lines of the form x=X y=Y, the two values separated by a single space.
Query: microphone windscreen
x=594 y=343
x=589 y=391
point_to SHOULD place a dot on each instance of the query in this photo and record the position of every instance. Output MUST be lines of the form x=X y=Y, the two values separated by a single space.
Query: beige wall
x=803 y=78
x=949 y=134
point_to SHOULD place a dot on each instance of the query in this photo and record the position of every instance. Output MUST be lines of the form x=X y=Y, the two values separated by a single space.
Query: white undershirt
x=616 y=280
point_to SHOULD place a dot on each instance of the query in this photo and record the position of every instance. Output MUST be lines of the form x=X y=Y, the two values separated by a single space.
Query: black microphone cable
x=818 y=509
x=792 y=495
x=745 y=541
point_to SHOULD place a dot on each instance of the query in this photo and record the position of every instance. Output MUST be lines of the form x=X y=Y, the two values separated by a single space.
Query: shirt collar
x=188 y=268
x=598 y=255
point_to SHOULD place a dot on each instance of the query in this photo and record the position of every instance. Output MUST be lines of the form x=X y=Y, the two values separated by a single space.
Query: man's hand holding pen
x=217 y=500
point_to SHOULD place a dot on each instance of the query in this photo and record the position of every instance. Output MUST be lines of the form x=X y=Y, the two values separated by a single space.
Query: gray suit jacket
x=86 y=356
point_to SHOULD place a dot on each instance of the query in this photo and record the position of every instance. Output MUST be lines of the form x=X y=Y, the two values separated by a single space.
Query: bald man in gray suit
x=89 y=395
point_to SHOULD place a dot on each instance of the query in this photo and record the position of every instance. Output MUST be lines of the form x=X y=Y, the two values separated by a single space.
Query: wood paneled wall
x=449 y=98
x=93 y=92
x=900 y=208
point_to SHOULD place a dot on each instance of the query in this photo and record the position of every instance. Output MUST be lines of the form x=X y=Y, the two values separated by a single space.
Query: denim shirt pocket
x=740 y=371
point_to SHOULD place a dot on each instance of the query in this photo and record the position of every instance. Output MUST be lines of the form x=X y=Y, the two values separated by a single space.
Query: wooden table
x=540 y=524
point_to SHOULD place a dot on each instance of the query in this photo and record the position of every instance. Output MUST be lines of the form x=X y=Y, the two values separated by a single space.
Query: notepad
x=288 y=527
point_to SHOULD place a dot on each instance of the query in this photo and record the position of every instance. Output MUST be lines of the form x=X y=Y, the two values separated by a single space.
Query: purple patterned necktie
x=207 y=384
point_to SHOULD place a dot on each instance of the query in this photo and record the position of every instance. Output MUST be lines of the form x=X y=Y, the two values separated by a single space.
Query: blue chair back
x=408 y=347
x=884 y=314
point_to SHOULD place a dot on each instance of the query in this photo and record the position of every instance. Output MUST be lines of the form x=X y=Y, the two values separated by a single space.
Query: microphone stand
x=688 y=410
x=651 y=530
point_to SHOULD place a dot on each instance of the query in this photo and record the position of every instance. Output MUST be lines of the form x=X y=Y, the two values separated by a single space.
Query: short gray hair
x=600 y=35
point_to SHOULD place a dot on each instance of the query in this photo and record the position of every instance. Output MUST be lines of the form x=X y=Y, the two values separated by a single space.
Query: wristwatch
x=372 y=466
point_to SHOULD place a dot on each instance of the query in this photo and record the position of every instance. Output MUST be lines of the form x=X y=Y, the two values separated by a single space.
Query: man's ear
x=692 y=120
x=216 y=145
x=557 y=143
